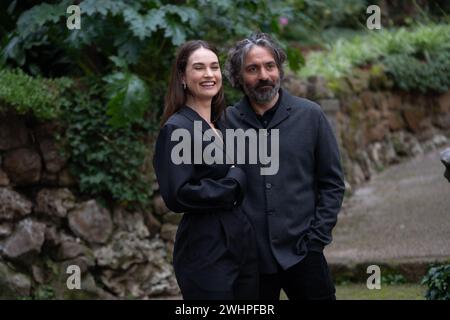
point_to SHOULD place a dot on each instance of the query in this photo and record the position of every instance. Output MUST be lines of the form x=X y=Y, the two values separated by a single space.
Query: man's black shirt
x=268 y=115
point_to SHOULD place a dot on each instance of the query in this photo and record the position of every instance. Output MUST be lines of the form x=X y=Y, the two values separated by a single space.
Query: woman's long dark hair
x=176 y=95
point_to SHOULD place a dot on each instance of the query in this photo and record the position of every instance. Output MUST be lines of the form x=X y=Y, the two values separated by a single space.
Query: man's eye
x=215 y=68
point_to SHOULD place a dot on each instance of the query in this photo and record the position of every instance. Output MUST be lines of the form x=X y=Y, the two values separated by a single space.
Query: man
x=293 y=211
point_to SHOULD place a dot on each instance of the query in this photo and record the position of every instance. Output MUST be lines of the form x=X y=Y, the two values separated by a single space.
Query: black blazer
x=213 y=231
x=296 y=209
x=194 y=187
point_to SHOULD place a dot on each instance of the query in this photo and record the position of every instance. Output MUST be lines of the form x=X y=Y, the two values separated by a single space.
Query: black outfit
x=293 y=211
x=215 y=255
x=310 y=279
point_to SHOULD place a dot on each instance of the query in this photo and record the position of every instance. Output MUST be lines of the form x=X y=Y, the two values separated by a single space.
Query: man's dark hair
x=237 y=54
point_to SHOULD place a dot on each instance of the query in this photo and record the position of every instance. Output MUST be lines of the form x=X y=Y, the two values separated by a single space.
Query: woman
x=215 y=250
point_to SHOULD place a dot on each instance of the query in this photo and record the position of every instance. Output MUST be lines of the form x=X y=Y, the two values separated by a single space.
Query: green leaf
x=130 y=50
x=11 y=7
x=185 y=13
x=143 y=26
x=129 y=98
x=102 y=7
x=154 y=19
x=14 y=50
x=39 y=15
x=175 y=32
x=119 y=62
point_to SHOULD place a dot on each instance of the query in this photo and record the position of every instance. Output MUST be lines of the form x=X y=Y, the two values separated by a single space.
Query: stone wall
x=376 y=125
x=46 y=227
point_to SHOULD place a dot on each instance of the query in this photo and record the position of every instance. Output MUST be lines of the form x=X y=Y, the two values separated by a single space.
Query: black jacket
x=194 y=187
x=296 y=209
x=213 y=237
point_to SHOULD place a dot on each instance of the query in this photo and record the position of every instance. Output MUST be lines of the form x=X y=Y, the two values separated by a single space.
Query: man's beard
x=259 y=95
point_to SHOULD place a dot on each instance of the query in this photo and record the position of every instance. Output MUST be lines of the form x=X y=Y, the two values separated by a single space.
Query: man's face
x=261 y=76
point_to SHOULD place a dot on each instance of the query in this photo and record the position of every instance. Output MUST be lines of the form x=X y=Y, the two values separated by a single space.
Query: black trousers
x=310 y=279
x=215 y=257
x=244 y=287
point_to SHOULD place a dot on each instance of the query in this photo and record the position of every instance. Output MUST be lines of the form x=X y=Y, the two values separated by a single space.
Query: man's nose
x=263 y=75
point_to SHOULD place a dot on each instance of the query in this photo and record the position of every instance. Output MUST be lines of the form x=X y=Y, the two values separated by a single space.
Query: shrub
x=416 y=59
x=34 y=95
x=45 y=292
x=411 y=73
x=438 y=282
x=393 y=279
x=107 y=160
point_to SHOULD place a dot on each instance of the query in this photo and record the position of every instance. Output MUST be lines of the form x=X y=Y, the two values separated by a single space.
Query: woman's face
x=203 y=77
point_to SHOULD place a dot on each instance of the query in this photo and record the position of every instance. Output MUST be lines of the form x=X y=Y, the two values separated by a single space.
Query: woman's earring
x=184 y=85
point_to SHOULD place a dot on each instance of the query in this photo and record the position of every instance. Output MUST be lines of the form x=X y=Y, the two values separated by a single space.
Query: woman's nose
x=208 y=72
